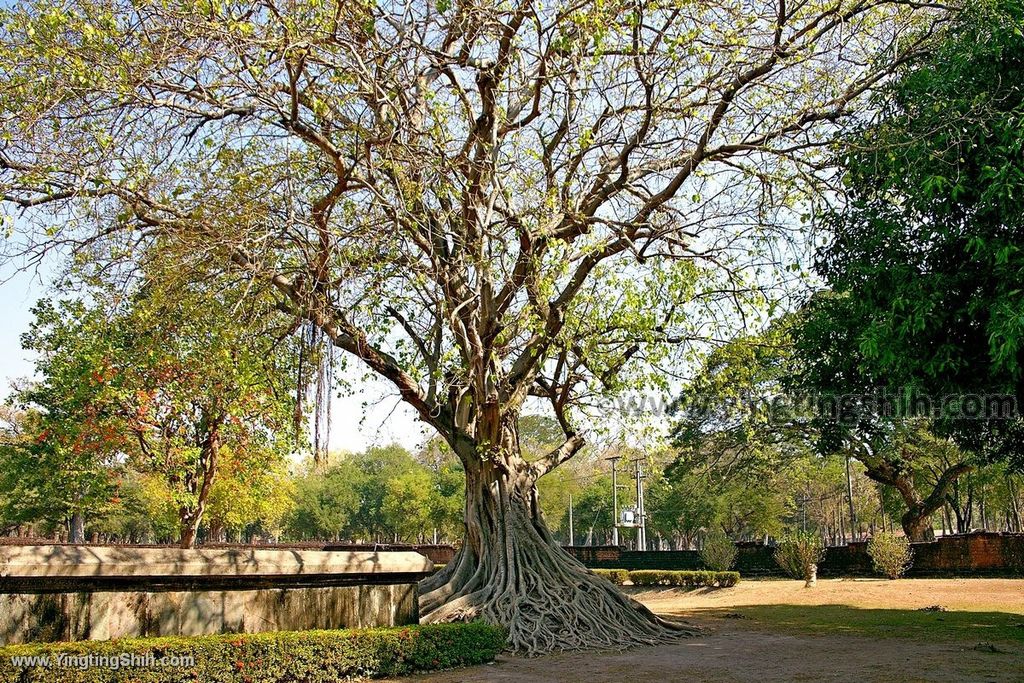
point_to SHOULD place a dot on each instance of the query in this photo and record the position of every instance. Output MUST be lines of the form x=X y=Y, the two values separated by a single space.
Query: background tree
x=478 y=201
x=926 y=261
x=63 y=450
x=326 y=501
x=752 y=412
x=250 y=492
x=158 y=378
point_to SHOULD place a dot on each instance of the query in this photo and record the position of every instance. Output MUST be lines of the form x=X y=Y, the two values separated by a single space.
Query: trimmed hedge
x=689 y=579
x=307 y=656
x=617 y=576
x=728 y=579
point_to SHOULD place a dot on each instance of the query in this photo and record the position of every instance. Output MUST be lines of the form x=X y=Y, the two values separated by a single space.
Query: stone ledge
x=41 y=561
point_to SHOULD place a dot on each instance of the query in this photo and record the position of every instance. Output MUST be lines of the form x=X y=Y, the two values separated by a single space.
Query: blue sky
x=18 y=292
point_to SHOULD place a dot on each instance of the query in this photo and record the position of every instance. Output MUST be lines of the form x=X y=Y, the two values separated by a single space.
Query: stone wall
x=78 y=592
x=981 y=554
x=439 y=553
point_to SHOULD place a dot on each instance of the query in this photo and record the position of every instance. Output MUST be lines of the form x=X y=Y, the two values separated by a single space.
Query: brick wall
x=981 y=554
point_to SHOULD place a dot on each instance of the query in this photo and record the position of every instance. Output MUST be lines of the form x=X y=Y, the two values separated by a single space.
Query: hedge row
x=660 y=577
x=307 y=656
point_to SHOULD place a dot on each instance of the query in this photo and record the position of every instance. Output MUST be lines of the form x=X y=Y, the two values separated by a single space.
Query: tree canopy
x=160 y=381
x=926 y=262
x=479 y=202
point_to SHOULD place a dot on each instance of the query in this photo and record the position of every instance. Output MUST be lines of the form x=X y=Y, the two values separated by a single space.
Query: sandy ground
x=970 y=595
x=735 y=650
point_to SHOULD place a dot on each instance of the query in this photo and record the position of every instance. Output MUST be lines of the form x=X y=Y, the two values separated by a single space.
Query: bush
x=617 y=576
x=719 y=552
x=799 y=554
x=890 y=554
x=688 y=579
x=308 y=656
x=728 y=579
x=649 y=577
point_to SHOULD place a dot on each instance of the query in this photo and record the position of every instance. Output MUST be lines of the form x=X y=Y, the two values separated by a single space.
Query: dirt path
x=740 y=650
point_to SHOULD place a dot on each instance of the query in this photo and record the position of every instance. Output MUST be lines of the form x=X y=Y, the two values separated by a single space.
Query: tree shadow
x=966 y=628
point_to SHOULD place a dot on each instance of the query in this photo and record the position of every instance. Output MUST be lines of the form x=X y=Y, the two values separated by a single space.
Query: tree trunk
x=511 y=571
x=1014 y=504
x=76 y=527
x=201 y=481
x=917 y=525
x=916 y=521
x=849 y=499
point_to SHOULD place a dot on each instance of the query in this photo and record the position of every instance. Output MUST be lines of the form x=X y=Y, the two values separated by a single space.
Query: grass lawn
x=959 y=626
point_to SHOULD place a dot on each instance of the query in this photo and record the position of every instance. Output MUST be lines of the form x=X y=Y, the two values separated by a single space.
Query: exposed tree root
x=510 y=572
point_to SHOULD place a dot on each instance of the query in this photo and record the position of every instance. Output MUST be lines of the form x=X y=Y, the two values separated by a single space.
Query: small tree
x=890 y=554
x=719 y=552
x=799 y=554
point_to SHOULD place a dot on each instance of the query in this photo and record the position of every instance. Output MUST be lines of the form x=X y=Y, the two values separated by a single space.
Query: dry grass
x=968 y=595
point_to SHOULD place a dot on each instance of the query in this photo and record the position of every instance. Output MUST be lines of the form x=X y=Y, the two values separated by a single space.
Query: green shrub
x=617 y=576
x=799 y=554
x=705 y=578
x=307 y=656
x=719 y=552
x=727 y=579
x=649 y=577
x=687 y=579
x=890 y=554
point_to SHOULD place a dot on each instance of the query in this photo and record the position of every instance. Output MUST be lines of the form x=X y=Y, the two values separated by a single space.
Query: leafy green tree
x=161 y=380
x=145 y=511
x=927 y=260
x=249 y=492
x=924 y=310
x=325 y=503
x=62 y=455
x=407 y=504
x=682 y=507
x=448 y=501
x=737 y=414
x=751 y=414
x=592 y=511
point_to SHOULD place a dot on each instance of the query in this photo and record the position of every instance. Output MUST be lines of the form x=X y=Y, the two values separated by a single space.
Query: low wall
x=63 y=592
x=439 y=553
x=982 y=554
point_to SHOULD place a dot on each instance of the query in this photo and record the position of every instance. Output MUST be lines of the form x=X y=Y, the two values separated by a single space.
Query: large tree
x=924 y=317
x=928 y=256
x=480 y=202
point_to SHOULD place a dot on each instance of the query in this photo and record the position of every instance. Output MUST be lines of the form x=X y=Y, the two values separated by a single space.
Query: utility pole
x=641 y=531
x=615 y=502
x=572 y=536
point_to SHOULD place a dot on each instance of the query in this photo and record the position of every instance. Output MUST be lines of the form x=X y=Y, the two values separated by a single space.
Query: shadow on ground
x=924 y=625
x=768 y=643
